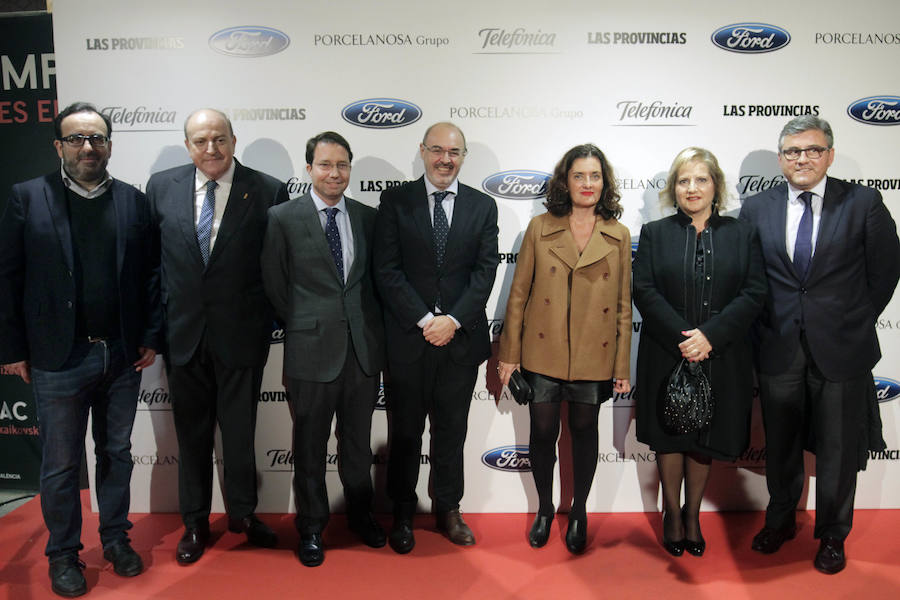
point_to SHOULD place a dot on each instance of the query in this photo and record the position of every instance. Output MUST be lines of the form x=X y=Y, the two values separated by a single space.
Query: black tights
x=542 y=450
x=693 y=469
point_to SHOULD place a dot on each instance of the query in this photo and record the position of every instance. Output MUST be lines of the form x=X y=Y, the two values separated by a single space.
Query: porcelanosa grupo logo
x=249 y=41
x=517 y=185
x=381 y=113
x=750 y=38
x=508 y=458
x=876 y=110
x=886 y=389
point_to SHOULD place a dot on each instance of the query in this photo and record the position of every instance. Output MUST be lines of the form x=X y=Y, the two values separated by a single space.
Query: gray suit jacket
x=318 y=310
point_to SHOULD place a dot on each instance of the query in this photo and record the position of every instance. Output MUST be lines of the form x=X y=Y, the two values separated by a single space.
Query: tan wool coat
x=568 y=315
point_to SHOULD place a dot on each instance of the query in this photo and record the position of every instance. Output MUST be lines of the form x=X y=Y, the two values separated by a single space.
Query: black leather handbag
x=519 y=388
x=689 y=403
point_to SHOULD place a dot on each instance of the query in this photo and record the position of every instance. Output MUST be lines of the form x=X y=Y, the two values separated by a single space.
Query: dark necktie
x=803 y=245
x=441 y=228
x=205 y=222
x=334 y=240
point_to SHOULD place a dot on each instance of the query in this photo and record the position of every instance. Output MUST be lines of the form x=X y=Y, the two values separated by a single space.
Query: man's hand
x=148 y=355
x=439 y=331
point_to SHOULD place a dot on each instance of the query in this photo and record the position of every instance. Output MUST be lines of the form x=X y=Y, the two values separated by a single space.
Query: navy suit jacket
x=318 y=309
x=37 y=286
x=852 y=276
x=408 y=278
x=225 y=297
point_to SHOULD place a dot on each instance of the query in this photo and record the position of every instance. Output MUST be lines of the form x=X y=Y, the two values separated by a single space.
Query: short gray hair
x=806 y=123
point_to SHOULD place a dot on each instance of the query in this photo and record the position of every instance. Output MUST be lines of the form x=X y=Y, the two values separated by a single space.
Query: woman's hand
x=505 y=370
x=622 y=386
x=696 y=347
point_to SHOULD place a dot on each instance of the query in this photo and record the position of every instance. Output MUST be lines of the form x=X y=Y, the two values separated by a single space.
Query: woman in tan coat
x=568 y=324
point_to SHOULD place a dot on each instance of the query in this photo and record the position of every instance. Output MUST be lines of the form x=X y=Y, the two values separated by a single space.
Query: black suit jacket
x=37 y=288
x=318 y=308
x=408 y=278
x=226 y=297
x=852 y=276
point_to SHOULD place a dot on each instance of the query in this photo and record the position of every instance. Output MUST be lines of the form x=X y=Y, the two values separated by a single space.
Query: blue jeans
x=97 y=377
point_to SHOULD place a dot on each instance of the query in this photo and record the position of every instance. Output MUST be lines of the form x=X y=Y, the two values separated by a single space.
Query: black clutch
x=689 y=403
x=519 y=388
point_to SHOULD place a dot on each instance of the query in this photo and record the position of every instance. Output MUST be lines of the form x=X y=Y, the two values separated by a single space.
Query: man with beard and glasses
x=80 y=318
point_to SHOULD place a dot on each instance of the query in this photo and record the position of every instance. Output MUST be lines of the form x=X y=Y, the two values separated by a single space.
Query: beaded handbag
x=689 y=403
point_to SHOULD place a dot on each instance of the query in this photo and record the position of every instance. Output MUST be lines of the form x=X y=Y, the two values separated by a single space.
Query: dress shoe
x=540 y=530
x=451 y=523
x=769 y=540
x=66 y=577
x=125 y=560
x=697 y=548
x=830 y=558
x=258 y=533
x=401 y=537
x=368 y=529
x=311 y=550
x=192 y=544
x=576 y=534
x=673 y=547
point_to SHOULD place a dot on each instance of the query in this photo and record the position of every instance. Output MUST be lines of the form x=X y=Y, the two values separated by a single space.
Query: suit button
x=69 y=304
x=802 y=290
x=705 y=303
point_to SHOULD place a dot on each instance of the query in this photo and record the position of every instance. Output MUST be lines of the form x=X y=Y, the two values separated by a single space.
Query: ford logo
x=876 y=110
x=508 y=458
x=886 y=389
x=750 y=38
x=249 y=41
x=517 y=185
x=381 y=113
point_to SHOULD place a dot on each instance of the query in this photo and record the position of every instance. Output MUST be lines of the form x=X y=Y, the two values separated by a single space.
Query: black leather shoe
x=452 y=523
x=769 y=540
x=66 y=577
x=540 y=530
x=258 y=533
x=125 y=560
x=401 y=537
x=311 y=549
x=673 y=547
x=576 y=535
x=830 y=558
x=368 y=529
x=192 y=544
x=697 y=548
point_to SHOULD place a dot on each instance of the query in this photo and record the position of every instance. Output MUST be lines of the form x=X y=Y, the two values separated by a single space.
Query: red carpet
x=624 y=560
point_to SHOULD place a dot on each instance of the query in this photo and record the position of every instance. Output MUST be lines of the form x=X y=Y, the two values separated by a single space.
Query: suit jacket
x=408 y=278
x=226 y=297
x=574 y=332
x=318 y=309
x=37 y=287
x=853 y=273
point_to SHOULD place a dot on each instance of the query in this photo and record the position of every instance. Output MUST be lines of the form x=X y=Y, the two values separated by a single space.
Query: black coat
x=664 y=293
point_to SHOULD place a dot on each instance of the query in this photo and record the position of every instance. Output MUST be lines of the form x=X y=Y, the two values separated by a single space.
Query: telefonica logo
x=517 y=185
x=751 y=38
x=249 y=41
x=876 y=110
x=381 y=113
x=886 y=389
x=508 y=458
x=277 y=336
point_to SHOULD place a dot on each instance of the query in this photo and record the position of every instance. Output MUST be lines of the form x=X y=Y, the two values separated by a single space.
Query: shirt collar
x=453 y=188
x=794 y=193
x=97 y=190
x=321 y=205
x=200 y=178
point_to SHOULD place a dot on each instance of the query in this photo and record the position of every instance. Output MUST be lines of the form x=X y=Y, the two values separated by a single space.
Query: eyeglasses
x=328 y=167
x=76 y=140
x=438 y=151
x=812 y=152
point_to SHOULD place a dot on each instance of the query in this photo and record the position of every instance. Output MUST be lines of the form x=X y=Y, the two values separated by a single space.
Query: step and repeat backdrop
x=525 y=80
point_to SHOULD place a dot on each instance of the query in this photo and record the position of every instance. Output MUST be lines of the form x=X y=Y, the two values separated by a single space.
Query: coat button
x=69 y=304
x=553 y=269
x=541 y=335
x=606 y=309
x=606 y=276
x=546 y=300
x=605 y=344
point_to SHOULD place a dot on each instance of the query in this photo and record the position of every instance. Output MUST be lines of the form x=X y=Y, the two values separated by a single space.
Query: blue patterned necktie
x=204 y=224
x=803 y=245
x=334 y=240
x=441 y=228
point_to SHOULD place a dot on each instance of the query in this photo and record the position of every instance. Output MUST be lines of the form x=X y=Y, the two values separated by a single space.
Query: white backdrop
x=525 y=80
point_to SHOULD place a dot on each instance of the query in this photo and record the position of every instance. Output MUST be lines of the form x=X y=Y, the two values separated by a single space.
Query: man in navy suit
x=832 y=260
x=80 y=318
x=435 y=262
x=212 y=217
x=316 y=260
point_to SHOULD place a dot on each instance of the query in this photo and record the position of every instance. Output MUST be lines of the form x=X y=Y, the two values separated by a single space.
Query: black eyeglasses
x=76 y=140
x=812 y=152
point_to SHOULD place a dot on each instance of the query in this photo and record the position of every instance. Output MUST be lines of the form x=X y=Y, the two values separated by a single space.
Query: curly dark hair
x=559 y=203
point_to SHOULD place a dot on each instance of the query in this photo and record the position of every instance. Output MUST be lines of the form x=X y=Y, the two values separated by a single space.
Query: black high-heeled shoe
x=540 y=530
x=673 y=547
x=697 y=548
x=576 y=534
